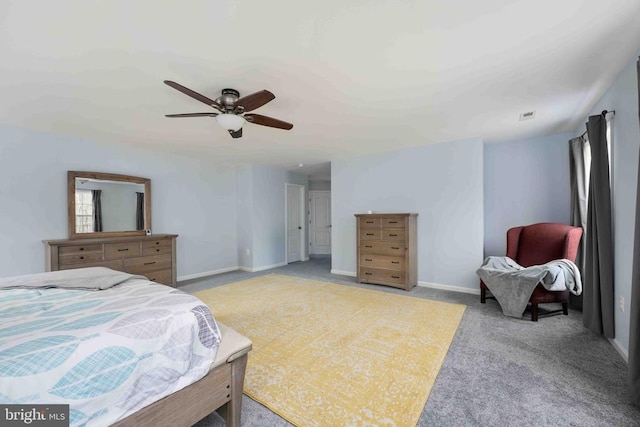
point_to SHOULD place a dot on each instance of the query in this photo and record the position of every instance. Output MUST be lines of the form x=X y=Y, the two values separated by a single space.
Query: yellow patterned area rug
x=332 y=355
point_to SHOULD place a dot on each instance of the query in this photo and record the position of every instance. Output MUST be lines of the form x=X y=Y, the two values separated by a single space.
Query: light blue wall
x=320 y=185
x=245 y=215
x=441 y=182
x=525 y=182
x=622 y=97
x=190 y=197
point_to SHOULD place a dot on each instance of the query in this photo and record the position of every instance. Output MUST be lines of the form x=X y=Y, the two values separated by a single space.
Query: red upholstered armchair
x=538 y=244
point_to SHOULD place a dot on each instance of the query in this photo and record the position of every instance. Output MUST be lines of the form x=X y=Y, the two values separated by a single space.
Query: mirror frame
x=71 y=203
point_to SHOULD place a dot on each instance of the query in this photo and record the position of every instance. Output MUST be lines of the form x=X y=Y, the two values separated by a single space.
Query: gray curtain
x=579 y=159
x=634 y=327
x=97 y=209
x=140 y=211
x=597 y=310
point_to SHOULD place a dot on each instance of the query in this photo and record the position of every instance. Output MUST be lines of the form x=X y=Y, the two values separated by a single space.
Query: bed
x=119 y=349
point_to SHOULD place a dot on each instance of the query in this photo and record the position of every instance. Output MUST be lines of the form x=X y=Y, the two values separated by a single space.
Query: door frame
x=311 y=193
x=300 y=188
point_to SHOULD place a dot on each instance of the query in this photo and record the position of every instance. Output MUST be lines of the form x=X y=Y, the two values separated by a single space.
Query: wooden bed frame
x=220 y=390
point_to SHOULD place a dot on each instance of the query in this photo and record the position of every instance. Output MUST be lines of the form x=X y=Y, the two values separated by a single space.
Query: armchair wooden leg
x=534 y=312
x=483 y=296
x=565 y=308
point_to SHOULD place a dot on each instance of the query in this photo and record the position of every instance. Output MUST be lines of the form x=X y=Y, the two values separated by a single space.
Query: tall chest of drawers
x=387 y=250
x=151 y=256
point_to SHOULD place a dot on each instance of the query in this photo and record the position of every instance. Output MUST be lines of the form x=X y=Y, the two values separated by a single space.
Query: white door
x=295 y=199
x=320 y=232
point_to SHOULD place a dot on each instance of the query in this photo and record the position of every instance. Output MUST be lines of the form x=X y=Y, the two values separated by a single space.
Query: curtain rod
x=604 y=114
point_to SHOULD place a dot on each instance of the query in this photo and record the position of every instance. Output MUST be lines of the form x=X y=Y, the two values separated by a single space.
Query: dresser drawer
x=382 y=261
x=377 y=275
x=367 y=234
x=370 y=223
x=114 y=265
x=392 y=222
x=79 y=258
x=160 y=243
x=155 y=250
x=392 y=234
x=161 y=276
x=383 y=248
x=78 y=249
x=121 y=250
x=143 y=265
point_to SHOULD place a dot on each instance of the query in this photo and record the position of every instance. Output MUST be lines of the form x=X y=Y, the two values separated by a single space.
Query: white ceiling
x=355 y=77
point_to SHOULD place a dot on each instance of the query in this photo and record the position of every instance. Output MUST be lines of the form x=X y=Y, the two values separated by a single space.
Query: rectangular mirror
x=106 y=204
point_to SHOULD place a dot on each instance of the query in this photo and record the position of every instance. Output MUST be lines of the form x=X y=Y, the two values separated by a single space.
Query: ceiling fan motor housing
x=228 y=98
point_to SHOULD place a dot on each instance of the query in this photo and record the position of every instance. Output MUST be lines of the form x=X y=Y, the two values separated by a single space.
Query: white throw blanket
x=91 y=278
x=513 y=284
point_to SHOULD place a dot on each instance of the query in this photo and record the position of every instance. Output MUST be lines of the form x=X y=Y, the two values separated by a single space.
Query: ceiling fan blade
x=255 y=100
x=258 y=119
x=236 y=134
x=193 y=94
x=192 y=115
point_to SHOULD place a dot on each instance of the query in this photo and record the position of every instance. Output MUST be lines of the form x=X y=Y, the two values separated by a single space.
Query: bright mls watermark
x=34 y=415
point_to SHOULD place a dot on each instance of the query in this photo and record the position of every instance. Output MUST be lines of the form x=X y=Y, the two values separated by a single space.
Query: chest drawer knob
x=123 y=250
x=395 y=277
x=395 y=262
x=395 y=247
x=393 y=235
x=368 y=274
x=368 y=246
x=368 y=259
x=157 y=243
x=82 y=249
x=81 y=257
x=149 y=263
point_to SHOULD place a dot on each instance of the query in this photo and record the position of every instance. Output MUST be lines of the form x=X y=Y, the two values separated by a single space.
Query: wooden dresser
x=151 y=256
x=387 y=249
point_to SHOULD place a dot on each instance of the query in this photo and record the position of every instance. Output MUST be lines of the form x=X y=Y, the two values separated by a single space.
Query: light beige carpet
x=334 y=355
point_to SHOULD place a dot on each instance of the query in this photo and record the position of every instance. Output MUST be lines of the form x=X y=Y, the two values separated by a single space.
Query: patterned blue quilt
x=106 y=353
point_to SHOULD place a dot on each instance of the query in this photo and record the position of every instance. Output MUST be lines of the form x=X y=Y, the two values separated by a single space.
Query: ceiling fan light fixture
x=231 y=122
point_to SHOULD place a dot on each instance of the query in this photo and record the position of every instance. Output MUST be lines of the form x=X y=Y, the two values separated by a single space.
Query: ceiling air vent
x=527 y=116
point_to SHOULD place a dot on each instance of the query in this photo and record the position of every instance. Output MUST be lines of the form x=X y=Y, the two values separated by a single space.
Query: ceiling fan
x=232 y=109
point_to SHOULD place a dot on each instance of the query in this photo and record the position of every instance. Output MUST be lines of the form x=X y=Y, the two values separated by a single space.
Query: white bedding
x=108 y=352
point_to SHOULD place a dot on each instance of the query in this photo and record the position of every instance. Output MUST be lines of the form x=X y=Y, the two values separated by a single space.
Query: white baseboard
x=207 y=273
x=450 y=288
x=264 y=267
x=344 y=273
x=616 y=344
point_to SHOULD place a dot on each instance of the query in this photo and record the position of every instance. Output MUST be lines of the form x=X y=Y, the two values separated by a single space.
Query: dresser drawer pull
x=81 y=257
x=157 y=243
x=370 y=234
x=395 y=277
x=367 y=259
x=368 y=246
x=369 y=222
x=393 y=235
x=368 y=274
x=395 y=262
x=157 y=250
x=149 y=263
x=393 y=222
x=82 y=249
x=395 y=247
x=123 y=250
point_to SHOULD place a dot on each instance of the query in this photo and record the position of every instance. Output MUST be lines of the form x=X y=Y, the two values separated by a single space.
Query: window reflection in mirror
x=108 y=206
